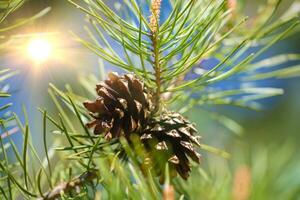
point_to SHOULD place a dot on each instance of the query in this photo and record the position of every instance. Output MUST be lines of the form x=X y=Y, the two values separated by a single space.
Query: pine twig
x=66 y=187
x=154 y=26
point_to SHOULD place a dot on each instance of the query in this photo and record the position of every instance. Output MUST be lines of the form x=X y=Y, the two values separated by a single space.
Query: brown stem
x=66 y=187
x=154 y=25
x=157 y=69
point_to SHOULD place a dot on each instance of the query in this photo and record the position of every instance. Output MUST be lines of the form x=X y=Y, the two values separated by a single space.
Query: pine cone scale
x=96 y=106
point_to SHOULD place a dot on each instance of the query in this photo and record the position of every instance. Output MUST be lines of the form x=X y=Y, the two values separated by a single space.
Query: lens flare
x=39 y=50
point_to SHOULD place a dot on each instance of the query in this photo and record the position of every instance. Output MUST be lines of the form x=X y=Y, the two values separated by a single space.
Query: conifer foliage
x=133 y=134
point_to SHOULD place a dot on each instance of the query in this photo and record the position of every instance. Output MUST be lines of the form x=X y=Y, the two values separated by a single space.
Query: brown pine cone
x=172 y=139
x=123 y=106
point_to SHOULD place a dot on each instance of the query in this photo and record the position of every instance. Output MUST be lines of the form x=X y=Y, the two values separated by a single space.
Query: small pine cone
x=173 y=139
x=123 y=106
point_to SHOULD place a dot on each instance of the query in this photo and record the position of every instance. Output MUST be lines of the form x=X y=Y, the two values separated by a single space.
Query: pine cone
x=123 y=106
x=172 y=139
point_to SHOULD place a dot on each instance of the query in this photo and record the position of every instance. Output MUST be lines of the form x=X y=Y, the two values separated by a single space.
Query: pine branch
x=154 y=26
x=73 y=185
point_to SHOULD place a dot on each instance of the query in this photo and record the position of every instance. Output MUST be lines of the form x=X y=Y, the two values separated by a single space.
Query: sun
x=39 y=50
